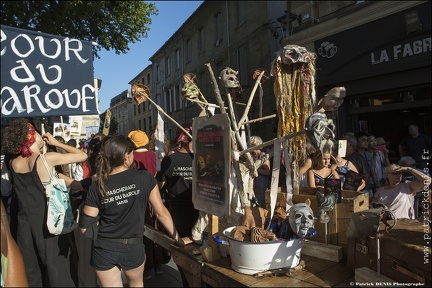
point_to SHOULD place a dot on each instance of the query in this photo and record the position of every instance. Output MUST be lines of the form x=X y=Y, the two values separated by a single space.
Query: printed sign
x=75 y=125
x=45 y=75
x=211 y=165
x=342 y=146
x=62 y=130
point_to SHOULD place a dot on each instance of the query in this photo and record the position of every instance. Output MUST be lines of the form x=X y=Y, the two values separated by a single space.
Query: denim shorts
x=103 y=259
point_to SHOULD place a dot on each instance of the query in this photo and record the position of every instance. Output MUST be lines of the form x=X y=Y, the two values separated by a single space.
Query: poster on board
x=212 y=164
x=62 y=130
x=45 y=75
x=75 y=125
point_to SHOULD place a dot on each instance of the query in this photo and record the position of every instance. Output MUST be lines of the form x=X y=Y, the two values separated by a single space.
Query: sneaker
x=147 y=275
x=159 y=270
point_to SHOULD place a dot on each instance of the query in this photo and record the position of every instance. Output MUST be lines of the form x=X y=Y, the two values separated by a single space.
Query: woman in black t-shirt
x=119 y=197
x=176 y=175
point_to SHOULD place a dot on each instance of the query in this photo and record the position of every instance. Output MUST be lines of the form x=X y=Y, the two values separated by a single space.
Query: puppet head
x=229 y=78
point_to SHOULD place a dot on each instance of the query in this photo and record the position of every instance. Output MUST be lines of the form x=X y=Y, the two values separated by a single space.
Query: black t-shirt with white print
x=122 y=212
x=176 y=171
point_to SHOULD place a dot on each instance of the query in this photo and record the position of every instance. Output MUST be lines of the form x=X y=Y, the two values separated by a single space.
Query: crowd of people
x=113 y=179
x=401 y=186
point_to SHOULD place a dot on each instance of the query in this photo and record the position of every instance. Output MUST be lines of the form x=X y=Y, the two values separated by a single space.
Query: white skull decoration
x=229 y=78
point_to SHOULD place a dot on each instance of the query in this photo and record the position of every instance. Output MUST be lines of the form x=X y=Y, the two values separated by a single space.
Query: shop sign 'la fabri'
x=43 y=74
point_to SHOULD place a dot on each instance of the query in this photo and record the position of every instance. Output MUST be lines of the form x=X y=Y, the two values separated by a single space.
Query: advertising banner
x=45 y=75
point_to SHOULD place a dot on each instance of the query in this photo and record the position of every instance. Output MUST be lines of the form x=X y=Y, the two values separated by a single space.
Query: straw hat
x=381 y=141
x=139 y=138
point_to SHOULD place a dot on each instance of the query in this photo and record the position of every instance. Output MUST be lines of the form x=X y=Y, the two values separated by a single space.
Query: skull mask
x=320 y=131
x=301 y=220
x=333 y=99
x=292 y=54
x=140 y=92
x=228 y=78
x=190 y=91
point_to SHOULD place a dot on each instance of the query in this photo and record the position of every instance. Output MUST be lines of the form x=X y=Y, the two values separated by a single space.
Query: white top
x=398 y=199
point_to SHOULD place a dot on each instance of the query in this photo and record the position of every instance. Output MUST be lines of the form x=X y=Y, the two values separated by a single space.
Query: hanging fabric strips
x=294 y=89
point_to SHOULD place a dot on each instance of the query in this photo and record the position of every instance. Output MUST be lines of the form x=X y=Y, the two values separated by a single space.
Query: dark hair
x=14 y=136
x=72 y=142
x=350 y=137
x=361 y=134
x=93 y=150
x=153 y=142
x=111 y=155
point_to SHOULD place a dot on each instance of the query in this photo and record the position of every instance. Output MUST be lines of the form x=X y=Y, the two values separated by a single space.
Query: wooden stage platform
x=218 y=273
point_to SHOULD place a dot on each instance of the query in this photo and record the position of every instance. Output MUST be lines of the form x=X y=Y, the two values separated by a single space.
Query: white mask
x=301 y=219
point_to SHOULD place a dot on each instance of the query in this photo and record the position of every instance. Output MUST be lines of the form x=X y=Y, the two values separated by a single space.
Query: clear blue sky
x=116 y=71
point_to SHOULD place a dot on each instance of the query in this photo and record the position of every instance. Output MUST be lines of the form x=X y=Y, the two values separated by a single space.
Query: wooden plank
x=323 y=251
x=352 y=201
x=158 y=237
x=282 y=281
x=316 y=265
x=213 y=229
x=402 y=253
x=335 y=274
x=216 y=278
x=191 y=266
x=220 y=274
x=342 y=226
x=365 y=276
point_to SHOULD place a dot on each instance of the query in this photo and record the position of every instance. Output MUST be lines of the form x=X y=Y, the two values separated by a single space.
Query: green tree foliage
x=111 y=24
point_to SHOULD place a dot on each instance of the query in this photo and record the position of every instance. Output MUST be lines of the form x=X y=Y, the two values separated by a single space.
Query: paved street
x=170 y=277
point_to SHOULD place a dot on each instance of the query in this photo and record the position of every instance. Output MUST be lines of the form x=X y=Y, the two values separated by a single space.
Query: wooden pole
x=243 y=146
x=216 y=89
x=213 y=229
x=270 y=142
x=259 y=119
x=242 y=119
x=166 y=115
x=62 y=128
x=44 y=148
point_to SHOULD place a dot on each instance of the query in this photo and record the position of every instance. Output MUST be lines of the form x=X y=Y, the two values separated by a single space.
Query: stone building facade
x=356 y=43
x=141 y=114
